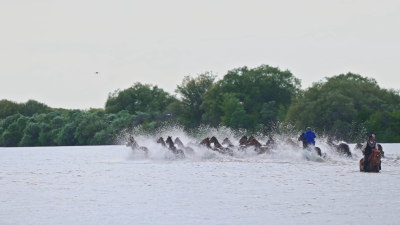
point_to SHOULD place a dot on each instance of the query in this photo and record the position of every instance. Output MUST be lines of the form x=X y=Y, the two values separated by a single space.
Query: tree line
x=345 y=106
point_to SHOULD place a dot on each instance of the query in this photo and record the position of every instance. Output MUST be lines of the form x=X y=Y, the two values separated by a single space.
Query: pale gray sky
x=51 y=49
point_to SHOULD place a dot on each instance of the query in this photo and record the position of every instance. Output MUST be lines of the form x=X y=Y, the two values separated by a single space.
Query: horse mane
x=375 y=157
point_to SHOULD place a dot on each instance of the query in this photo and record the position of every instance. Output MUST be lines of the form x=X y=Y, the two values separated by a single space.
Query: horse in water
x=243 y=140
x=227 y=142
x=341 y=148
x=374 y=162
x=171 y=146
x=258 y=147
x=162 y=142
x=219 y=148
x=187 y=149
x=135 y=146
x=206 y=142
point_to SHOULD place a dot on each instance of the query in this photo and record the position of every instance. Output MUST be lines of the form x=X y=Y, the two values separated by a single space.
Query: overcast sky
x=51 y=49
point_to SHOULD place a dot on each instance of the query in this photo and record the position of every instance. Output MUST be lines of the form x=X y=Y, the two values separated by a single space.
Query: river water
x=112 y=185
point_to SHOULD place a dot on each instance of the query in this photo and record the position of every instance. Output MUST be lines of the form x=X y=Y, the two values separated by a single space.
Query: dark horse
x=258 y=147
x=243 y=140
x=135 y=146
x=206 y=142
x=374 y=162
x=162 y=142
x=216 y=145
x=170 y=145
x=219 y=148
x=341 y=148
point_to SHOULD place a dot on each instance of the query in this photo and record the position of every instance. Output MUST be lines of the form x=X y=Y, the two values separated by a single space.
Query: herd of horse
x=226 y=147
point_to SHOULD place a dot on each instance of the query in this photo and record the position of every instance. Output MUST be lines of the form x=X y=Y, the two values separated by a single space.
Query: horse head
x=170 y=142
x=161 y=141
x=252 y=141
x=226 y=141
x=215 y=141
x=178 y=142
x=243 y=140
x=206 y=142
x=375 y=157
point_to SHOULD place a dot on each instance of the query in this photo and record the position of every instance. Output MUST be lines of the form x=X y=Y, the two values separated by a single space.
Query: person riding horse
x=368 y=147
x=308 y=138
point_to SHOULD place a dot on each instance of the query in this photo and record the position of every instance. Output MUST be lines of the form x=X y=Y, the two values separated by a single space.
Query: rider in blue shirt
x=309 y=137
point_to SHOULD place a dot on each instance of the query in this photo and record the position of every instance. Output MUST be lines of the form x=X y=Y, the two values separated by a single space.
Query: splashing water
x=286 y=146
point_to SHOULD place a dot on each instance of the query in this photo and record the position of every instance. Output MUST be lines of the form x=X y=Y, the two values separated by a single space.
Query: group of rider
x=309 y=136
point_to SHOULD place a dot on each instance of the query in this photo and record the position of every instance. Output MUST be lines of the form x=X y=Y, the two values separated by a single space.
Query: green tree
x=340 y=103
x=254 y=88
x=32 y=107
x=31 y=135
x=139 y=98
x=192 y=91
x=9 y=108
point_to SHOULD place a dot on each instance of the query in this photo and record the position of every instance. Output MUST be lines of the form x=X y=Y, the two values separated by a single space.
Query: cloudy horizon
x=51 y=50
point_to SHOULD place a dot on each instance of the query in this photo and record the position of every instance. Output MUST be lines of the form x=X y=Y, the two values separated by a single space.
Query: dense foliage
x=346 y=106
x=343 y=104
x=250 y=98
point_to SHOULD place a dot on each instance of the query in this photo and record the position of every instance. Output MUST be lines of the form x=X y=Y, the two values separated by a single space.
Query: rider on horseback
x=309 y=137
x=367 y=148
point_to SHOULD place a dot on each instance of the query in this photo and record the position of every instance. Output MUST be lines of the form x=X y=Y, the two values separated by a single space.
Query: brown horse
x=374 y=162
x=135 y=146
x=219 y=148
x=252 y=141
x=206 y=142
x=243 y=140
x=258 y=147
